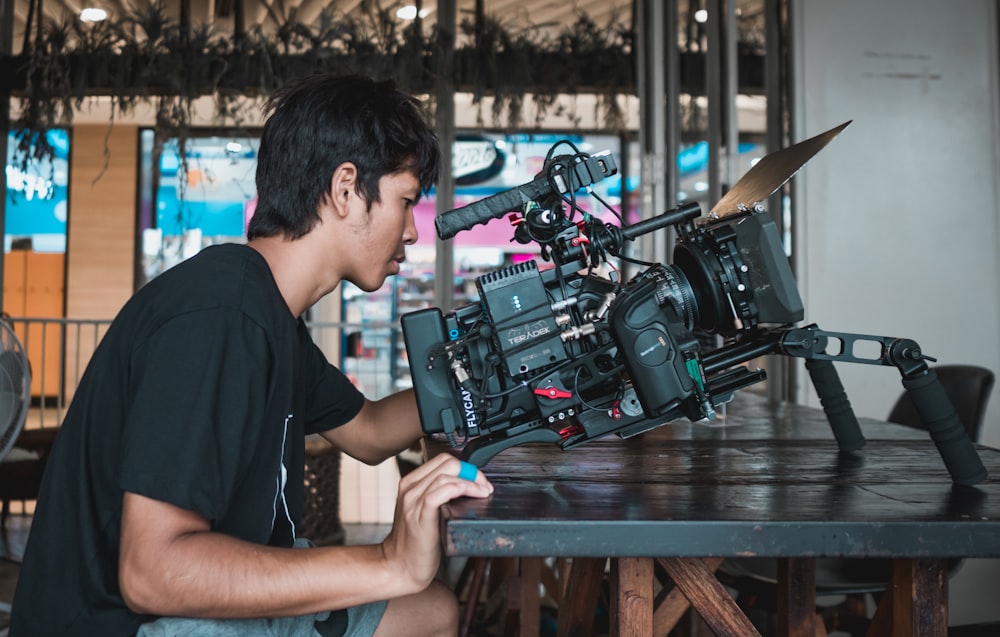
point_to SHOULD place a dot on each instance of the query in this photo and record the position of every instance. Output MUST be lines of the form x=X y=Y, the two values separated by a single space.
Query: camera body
x=569 y=353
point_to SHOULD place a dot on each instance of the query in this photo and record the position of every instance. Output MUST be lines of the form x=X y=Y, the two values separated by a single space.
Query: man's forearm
x=207 y=574
x=172 y=564
x=382 y=429
x=399 y=419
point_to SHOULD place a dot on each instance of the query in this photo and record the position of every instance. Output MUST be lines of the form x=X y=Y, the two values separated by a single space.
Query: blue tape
x=467 y=471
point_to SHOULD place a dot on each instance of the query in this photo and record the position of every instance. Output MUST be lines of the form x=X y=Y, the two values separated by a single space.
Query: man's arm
x=381 y=429
x=173 y=564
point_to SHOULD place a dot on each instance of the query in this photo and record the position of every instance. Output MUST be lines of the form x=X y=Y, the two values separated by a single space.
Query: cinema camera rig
x=569 y=354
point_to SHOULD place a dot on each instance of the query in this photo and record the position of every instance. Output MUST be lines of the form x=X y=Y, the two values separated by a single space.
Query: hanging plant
x=49 y=97
x=498 y=64
x=598 y=59
x=147 y=57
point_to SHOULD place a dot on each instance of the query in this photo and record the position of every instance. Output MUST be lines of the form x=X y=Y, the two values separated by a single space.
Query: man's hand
x=414 y=542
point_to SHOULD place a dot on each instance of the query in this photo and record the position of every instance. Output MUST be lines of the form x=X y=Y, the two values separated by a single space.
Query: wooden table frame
x=915 y=605
x=682 y=497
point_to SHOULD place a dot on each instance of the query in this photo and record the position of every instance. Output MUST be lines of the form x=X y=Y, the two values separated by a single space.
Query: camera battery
x=520 y=313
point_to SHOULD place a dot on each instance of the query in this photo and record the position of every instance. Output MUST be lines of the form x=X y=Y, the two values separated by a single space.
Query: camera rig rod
x=919 y=380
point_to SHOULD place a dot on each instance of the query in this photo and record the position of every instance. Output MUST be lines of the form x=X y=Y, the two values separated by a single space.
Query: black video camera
x=569 y=353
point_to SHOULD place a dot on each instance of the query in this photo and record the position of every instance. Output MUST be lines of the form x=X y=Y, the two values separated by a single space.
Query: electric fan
x=15 y=395
x=15 y=387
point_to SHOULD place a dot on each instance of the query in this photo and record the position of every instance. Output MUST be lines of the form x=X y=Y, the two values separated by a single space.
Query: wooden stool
x=321 y=507
x=513 y=589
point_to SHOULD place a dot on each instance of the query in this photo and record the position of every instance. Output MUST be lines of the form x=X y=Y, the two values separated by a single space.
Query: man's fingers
x=441 y=490
x=444 y=464
x=423 y=499
x=467 y=471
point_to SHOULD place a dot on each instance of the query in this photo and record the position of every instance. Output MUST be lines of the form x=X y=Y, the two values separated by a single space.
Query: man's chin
x=369 y=286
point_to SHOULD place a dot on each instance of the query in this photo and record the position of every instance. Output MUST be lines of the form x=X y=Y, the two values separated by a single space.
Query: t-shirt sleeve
x=198 y=388
x=332 y=398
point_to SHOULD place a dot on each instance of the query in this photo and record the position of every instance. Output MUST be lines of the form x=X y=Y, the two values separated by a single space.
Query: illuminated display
x=37 y=196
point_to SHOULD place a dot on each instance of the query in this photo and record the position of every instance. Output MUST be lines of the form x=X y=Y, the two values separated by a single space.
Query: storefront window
x=203 y=200
x=36 y=197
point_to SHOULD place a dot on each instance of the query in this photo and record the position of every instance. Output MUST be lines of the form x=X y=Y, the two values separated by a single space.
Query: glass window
x=203 y=200
x=37 y=197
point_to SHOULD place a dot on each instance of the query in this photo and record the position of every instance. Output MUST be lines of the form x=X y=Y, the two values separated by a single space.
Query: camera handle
x=921 y=383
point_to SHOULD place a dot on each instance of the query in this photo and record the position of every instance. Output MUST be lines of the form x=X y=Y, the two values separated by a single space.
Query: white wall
x=897 y=220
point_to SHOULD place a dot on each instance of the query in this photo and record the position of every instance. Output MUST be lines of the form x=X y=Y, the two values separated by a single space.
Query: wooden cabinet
x=34 y=287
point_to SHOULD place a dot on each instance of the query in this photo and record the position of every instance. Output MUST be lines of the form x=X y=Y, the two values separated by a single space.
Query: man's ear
x=343 y=186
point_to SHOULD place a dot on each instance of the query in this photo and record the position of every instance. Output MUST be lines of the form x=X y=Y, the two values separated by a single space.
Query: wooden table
x=770 y=483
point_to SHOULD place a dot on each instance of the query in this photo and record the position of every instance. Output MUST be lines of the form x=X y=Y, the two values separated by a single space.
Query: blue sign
x=37 y=193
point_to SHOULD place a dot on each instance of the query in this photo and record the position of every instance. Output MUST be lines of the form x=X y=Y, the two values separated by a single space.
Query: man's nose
x=410 y=235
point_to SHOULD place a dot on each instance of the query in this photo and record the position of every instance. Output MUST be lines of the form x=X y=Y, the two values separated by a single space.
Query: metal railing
x=371 y=354
x=59 y=349
x=58 y=352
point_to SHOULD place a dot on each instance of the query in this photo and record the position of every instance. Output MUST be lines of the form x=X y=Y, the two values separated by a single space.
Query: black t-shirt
x=199 y=395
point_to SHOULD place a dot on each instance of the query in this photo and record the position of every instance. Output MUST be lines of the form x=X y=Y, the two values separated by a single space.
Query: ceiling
x=513 y=14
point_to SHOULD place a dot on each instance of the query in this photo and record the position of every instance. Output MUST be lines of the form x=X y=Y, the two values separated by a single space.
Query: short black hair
x=323 y=121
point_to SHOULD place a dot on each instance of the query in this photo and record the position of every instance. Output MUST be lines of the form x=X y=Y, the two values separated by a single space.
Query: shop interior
x=179 y=201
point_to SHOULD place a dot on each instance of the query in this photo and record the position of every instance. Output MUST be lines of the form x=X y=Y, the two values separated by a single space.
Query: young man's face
x=387 y=228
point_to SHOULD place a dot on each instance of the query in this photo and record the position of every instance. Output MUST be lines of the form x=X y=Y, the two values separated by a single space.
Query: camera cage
x=571 y=353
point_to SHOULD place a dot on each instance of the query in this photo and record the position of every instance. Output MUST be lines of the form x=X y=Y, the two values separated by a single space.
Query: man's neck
x=294 y=270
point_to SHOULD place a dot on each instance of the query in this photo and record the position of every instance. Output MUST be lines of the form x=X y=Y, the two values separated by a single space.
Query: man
x=171 y=496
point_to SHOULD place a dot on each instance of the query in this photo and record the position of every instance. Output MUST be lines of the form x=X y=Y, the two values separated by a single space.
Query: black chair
x=755 y=579
x=20 y=478
x=967 y=386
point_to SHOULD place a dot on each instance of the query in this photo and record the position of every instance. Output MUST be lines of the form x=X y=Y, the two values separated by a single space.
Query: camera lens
x=719 y=281
x=673 y=287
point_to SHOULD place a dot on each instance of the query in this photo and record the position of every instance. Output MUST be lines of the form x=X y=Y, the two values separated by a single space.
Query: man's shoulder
x=228 y=274
x=220 y=261
x=230 y=278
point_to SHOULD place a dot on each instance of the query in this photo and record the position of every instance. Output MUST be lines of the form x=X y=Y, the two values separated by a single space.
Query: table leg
x=929 y=595
x=917 y=601
x=578 y=600
x=513 y=593
x=708 y=597
x=476 y=566
x=671 y=604
x=631 y=597
x=797 y=597
x=528 y=580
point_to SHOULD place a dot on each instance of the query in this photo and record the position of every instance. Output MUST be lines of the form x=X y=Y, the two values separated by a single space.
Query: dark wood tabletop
x=769 y=482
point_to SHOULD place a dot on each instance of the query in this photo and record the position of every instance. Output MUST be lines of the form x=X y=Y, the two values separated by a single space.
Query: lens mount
x=719 y=280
